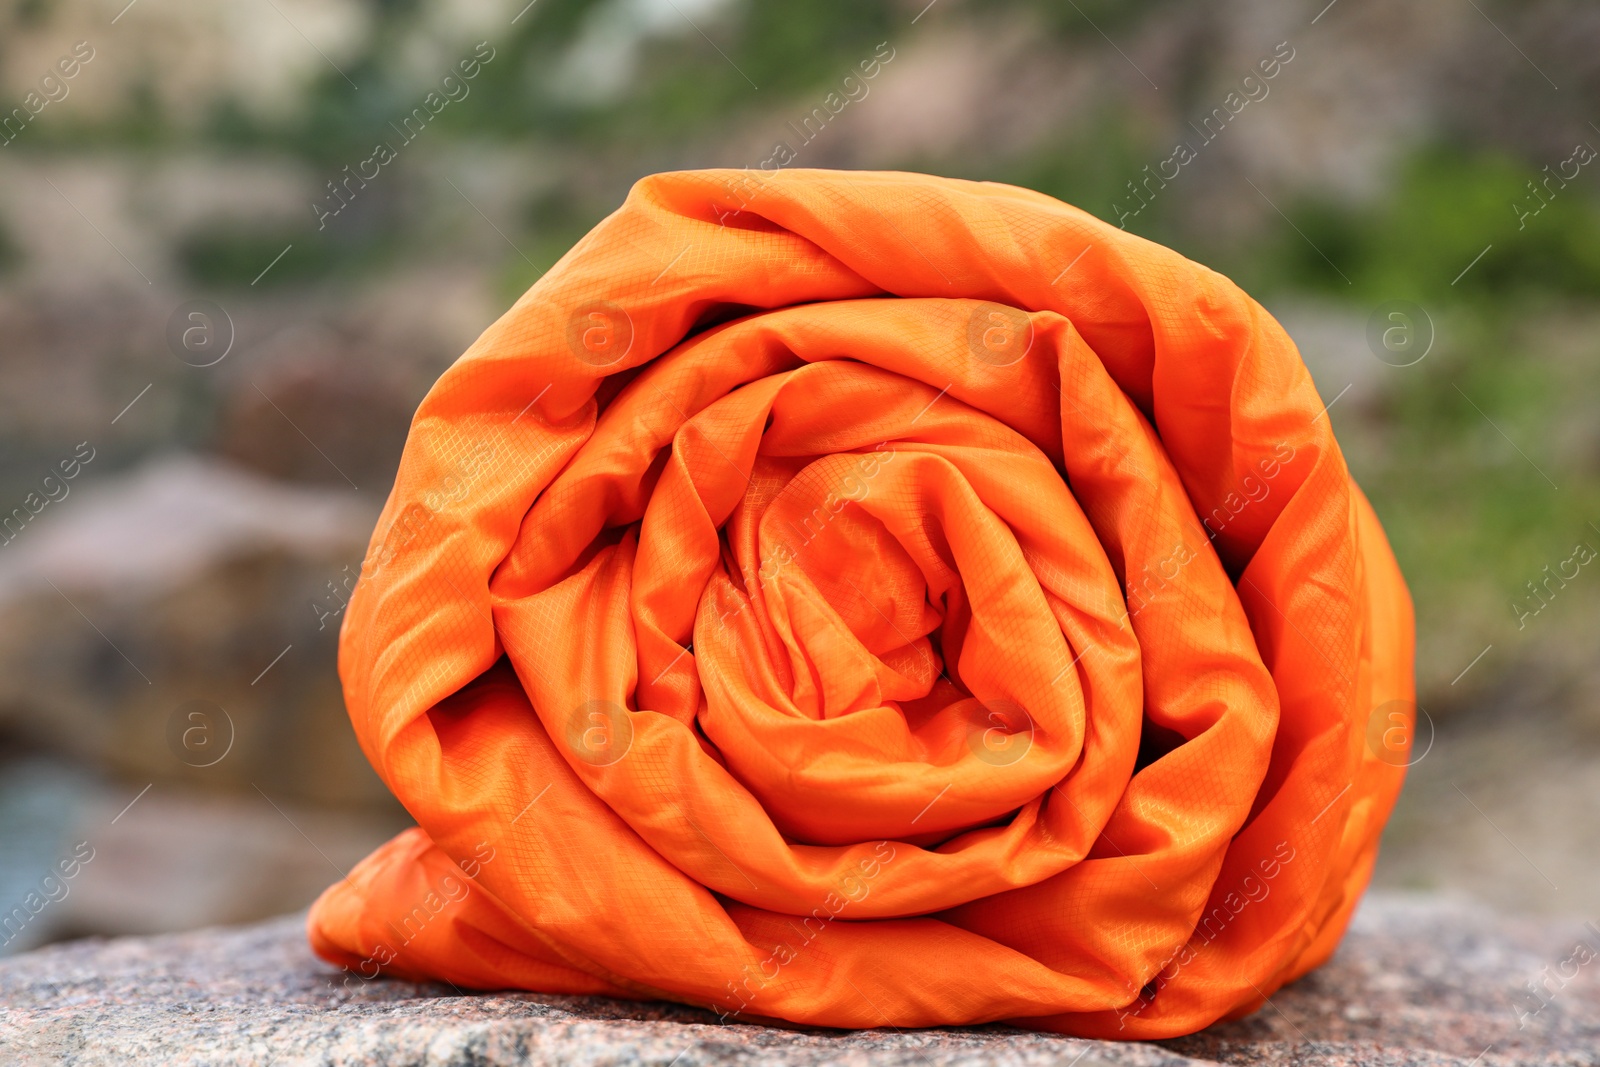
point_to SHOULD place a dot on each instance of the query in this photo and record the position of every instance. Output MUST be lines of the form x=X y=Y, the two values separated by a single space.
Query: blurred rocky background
x=220 y=302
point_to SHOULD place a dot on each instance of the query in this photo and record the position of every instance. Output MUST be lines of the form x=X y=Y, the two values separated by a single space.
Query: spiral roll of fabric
x=871 y=599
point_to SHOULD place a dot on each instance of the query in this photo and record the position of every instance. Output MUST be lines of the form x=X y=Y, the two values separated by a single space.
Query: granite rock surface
x=1418 y=981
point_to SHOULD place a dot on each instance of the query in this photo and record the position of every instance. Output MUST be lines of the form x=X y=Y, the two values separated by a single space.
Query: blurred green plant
x=1447 y=206
x=555 y=220
x=1088 y=167
x=10 y=253
x=237 y=256
x=1465 y=467
x=684 y=80
x=1073 y=18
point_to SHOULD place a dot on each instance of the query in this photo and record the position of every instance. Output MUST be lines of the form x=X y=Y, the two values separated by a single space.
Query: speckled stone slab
x=1418 y=981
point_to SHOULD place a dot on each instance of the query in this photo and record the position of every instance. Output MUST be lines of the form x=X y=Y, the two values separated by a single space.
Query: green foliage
x=29 y=13
x=1446 y=208
x=10 y=254
x=555 y=221
x=233 y=256
x=687 y=78
x=1456 y=463
x=1089 y=169
x=795 y=48
x=1080 y=19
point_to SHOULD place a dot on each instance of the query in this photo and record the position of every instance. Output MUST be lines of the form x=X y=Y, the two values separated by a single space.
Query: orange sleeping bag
x=870 y=599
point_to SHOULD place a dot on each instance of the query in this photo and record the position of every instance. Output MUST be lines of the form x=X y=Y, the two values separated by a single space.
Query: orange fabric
x=872 y=599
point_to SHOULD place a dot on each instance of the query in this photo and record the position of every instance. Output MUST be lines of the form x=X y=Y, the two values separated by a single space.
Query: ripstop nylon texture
x=872 y=599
